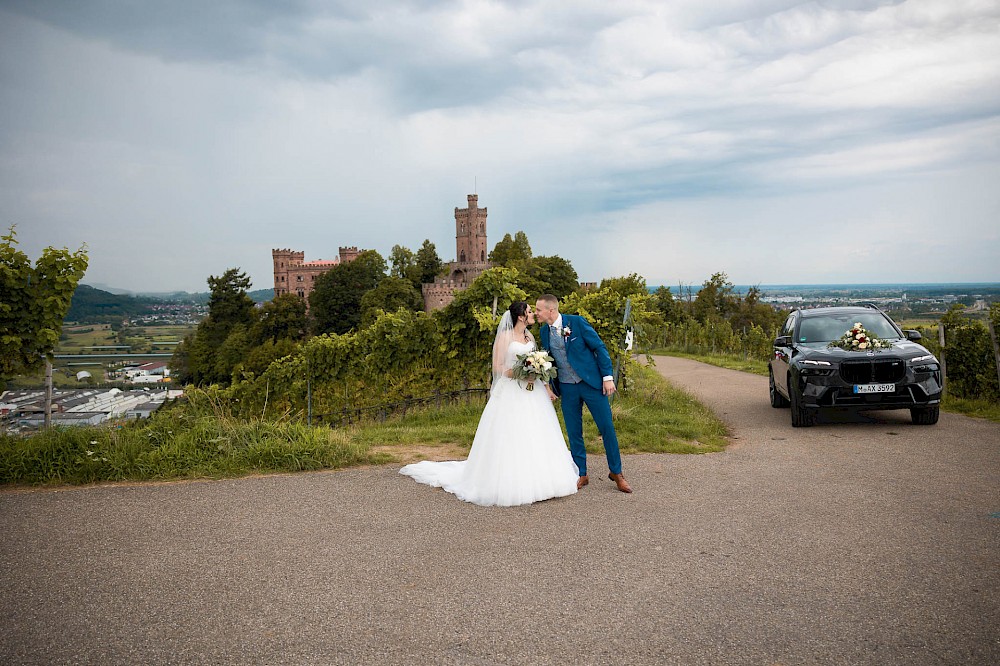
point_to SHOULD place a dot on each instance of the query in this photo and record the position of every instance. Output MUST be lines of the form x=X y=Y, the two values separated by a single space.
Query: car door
x=782 y=355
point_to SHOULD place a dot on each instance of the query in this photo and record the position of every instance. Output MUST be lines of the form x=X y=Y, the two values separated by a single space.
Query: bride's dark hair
x=517 y=309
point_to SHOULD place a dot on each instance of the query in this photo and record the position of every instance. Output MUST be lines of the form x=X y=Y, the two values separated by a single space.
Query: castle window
x=482 y=255
x=298 y=278
x=462 y=258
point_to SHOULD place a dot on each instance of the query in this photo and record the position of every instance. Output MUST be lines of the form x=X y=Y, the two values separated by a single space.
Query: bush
x=173 y=444
x=969 y=358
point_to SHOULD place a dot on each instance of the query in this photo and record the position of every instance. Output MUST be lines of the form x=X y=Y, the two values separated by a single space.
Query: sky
x=780 y=142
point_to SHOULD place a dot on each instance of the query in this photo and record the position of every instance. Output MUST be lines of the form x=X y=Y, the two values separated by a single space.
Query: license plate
x=874 y=388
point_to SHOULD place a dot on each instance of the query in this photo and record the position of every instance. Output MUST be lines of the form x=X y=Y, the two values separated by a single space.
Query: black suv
x=808 y=374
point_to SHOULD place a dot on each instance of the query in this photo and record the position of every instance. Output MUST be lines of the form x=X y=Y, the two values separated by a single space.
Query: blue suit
x=590 y=360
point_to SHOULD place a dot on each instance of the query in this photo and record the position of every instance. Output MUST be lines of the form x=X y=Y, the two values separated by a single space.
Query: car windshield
x=825 y=328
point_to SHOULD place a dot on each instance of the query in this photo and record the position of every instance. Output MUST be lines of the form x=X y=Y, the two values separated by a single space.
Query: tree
x=402 y=260
x=750 y=311
x=229 y=306
x=391 y=294
x=335 y=301
x=231 y=354
x=629 y=285
x=715 y=299
x=260 y=358
x=557 y=273
x=664 y=302
x=33 y=302
x=229 y=303
x=283 y=317
x=512 y=252
x=428 y=263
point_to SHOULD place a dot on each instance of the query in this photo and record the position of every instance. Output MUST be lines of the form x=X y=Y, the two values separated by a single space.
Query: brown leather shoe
x=620 y=482
x=582 y=481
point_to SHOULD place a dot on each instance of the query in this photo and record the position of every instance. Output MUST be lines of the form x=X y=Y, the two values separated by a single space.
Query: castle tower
x=470 y=233
x=284 y=260
x=348 y=254
x=470 y=254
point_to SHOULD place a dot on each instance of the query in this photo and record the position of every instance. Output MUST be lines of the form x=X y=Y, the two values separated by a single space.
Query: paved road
x=866 y=541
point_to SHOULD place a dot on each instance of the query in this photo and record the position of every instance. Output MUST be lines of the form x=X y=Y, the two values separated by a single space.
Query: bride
x=518 y=455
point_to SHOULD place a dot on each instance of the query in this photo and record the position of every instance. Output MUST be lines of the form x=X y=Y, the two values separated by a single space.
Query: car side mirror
x=783 y=341
x=913 y=336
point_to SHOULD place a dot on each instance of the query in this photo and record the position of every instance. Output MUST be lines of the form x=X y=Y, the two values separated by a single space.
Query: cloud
x=216 y=131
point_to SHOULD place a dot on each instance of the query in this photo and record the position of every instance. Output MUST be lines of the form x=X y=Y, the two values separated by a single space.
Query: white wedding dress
x=518 y=456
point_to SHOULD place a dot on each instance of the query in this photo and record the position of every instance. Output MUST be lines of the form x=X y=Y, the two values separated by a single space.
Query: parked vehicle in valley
x=852 y=358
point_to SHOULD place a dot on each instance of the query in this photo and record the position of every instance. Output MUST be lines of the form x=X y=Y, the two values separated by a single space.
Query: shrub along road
x=864 y=540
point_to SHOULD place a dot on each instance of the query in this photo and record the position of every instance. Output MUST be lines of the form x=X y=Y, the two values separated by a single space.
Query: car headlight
x=811 y=367
x=925 y=357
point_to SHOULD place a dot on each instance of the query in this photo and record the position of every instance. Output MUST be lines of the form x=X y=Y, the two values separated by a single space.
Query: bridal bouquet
x=858 y=338
x=534 y=365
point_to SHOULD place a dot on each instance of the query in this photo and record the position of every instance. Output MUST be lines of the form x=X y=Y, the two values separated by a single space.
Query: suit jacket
x=584 y=349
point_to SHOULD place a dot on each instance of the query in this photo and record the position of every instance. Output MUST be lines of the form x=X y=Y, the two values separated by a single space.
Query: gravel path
x=859 y=541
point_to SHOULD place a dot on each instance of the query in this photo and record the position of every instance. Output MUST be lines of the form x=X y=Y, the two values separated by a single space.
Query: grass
x=977 y=407
x=183 y=443
x=171 y=446
x=732 y=362
x=62 y=378
x=78 y=337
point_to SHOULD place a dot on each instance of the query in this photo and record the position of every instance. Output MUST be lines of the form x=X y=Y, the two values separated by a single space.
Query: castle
x=470 y=250
x=294 y=275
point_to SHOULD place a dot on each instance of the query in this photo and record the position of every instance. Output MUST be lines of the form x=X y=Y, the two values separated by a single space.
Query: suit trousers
x=574 y=397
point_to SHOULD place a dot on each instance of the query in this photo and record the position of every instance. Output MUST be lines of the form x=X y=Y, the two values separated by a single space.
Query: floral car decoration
x=858 y=338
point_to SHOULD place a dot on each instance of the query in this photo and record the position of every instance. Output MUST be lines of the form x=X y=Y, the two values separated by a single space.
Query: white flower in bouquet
x=534 y=365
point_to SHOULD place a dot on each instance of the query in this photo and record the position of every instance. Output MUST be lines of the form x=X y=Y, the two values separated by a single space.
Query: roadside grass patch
x=730 y=361
x=173 y=446
x=978 y=407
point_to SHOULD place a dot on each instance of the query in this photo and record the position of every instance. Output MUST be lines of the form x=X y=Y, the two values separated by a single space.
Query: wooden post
x=944 y=365
x=48 y=392
x=996 y=349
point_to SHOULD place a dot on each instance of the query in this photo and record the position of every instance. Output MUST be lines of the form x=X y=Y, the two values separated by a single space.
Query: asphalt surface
x=863 y=540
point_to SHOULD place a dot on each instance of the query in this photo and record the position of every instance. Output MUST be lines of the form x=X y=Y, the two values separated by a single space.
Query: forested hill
x=92 y=305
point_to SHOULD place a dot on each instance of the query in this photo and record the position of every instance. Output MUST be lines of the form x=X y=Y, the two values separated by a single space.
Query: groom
x=585 y=377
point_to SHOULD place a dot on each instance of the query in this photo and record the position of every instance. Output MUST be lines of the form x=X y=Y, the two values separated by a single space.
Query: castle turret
x=470 y=233
x=283 y=260
x=470 y=254
x=348 y=254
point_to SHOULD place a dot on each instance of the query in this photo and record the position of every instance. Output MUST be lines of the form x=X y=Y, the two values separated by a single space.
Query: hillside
x=92 y=305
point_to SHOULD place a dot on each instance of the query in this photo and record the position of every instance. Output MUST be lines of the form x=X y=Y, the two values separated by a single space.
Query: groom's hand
x=609 y=387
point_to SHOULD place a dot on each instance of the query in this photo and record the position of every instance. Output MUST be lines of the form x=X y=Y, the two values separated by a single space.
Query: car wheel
x=777 y=400
x=925 y=415
x=802 y=416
